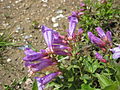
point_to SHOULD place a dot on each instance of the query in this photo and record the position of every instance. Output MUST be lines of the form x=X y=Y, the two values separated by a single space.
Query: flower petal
x=34 y=67
x=34 y=56
x=48 y=35
x=116 y=49
x=101 y=33
x=80 y=31
x=116 y=55
x=42 y=81
x=96 y=40
x=61 y=52
x=60 y=47
x=72 y=25
x=100 y=57
x=109 y=36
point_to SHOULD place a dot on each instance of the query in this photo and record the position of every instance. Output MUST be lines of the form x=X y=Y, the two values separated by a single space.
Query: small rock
x=53 y=19
x=28 y=19
x=5 y=24
x=28 y=81
x=59 y=11
x=8 y=60
x=45 y=1
x=57 y=17
x=55 y=25
x=30 y=35
x=18 y=1
x=8 y=6
x=1 y=34
x=1 y=0
x=44 y=5
x=60 y=16
x=26 y=37
x=19 y=28
x=47 y=18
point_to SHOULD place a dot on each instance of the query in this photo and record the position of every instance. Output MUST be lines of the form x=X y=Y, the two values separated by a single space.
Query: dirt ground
x=16 y=18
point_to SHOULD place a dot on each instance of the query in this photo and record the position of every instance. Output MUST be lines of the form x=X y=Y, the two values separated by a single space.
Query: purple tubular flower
x=109 y=36
x=43 y=51
x=74 y=14
x=101 y=33
x=29 y=51
x=82 y=10
x=42 y=81
x=82 y=5
x=48 y=35
x=81 y=13
x=61 y=52
x=72 y=25
x=31 y=63
x=100 y=57
x=58 y=39
x=80 y=31
x=116 y=55
x=60 y=47
x=116 y=52
x=34 y=67
x=96 y=40
x=32 y=55
x=116 y=49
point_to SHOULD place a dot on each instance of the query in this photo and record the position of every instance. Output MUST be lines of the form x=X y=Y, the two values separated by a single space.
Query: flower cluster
x=56 y=45
x=104 y=40
x=80 y=11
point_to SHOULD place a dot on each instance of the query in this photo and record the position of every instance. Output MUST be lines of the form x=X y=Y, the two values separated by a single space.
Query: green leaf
x=53 y=84
x=85 y=76
x=114 y=86
x=103 y=80
x=6 y=44
x=35 y=87
x=95 y=65
x=117 y=68
x=86 y=87
x=91 y=67
x=71 y=79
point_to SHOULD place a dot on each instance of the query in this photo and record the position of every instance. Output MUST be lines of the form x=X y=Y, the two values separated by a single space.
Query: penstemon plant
x=76 y=63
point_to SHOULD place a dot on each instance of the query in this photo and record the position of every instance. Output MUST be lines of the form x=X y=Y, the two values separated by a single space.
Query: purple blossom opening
x=97 y=41
x=81 y=13
x=116 y=52
x=82 y=10
x=32 y=55
x=116 y=55
x=72 y=25
x=42 y=81
x=74 y=14
x=100 y=57
x=116 y=49
x=60 y=47
x=109 y=36
x=61 y=52
x=59 y=39
x=34 y=67
x=80 y=31
x=48 y=35
x=101 y=33
x=82 y=4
